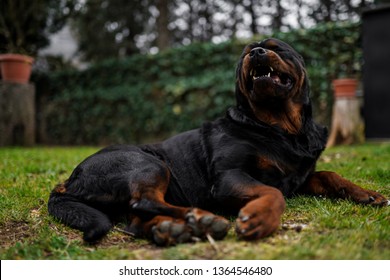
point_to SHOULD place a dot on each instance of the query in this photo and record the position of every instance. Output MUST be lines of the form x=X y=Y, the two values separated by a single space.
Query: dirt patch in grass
x=12 y=232
x=123 y=241
x=114 y=238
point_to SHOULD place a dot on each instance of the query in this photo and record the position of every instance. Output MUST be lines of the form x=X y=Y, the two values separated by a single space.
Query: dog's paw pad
x=207 y=220
x=177 y=230
x=203 y=223
x=219 y=229
x=170 y=233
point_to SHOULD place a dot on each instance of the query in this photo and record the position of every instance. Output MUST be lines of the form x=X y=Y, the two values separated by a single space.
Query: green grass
x=331 y=229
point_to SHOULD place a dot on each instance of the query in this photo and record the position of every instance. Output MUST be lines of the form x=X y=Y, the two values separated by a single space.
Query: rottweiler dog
x=243 y=164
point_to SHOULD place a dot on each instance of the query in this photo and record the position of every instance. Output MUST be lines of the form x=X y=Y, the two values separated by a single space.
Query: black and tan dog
x=243 y=164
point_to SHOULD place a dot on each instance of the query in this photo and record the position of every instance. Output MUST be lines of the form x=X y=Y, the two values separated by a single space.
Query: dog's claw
x=190 y=218
x=244 y=218
x=134 y=205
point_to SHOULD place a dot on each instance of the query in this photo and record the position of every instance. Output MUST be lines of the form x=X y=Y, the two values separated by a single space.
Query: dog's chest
x=282 y=164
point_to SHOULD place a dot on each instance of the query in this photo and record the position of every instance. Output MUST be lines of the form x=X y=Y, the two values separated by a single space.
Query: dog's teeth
x=251 y=72
x=272 y=69
x=269 y=74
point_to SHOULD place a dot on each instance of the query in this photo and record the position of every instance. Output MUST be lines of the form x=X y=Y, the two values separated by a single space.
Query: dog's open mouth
x=261 y=72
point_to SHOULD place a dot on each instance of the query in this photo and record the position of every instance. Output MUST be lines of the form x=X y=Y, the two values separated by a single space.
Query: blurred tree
x=111 y=28
x=192 y=20
x=25 y=26
x=278 y=15
x=334 y=10
x=163 y=33
x=250 y=8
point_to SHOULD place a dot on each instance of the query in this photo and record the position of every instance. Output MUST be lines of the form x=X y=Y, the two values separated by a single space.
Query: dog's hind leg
x=76 y=214
x=331 y=184
x=164 y=223
x=118 y=182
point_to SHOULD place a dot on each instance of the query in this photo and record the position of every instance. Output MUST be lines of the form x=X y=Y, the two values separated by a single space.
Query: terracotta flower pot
x=16 y=68
x=345 y=87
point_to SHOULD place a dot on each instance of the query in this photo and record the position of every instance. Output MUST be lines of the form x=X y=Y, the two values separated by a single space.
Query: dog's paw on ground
x=204 y=223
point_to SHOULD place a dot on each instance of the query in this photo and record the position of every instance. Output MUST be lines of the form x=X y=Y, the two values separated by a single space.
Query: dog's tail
x=69 y=210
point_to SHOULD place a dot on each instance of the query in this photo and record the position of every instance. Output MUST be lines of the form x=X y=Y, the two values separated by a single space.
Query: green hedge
x=149 y=97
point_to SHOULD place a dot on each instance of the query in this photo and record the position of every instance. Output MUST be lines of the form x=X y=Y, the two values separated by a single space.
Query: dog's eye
x=276 y=49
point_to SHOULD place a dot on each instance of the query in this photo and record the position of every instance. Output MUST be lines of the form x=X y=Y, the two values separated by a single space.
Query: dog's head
x=271 y=83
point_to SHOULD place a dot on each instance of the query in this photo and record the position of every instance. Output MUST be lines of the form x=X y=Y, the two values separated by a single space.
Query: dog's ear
x=241 y=98
x=305 y=98
x=305 y=88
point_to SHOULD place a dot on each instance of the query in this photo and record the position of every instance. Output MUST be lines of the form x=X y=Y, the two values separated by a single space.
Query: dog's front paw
x=256 y=221
x=369 y=197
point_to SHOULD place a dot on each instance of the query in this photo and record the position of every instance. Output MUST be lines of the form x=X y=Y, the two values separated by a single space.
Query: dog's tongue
x=275 y=78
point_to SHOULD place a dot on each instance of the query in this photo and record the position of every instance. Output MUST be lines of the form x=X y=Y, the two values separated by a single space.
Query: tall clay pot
x=16 y=68
x=347 y=125
x=345 y=87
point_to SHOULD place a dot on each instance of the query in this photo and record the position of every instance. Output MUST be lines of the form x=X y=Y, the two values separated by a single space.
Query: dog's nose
x=257 y=51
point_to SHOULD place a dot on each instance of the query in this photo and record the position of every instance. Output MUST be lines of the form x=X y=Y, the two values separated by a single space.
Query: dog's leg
x=75 y=213
x=331 y=184
x=164 y=223
x=259 y=206
x=260 y=217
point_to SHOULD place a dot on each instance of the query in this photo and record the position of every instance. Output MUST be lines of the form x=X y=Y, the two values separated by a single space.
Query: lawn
x=312 y=228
